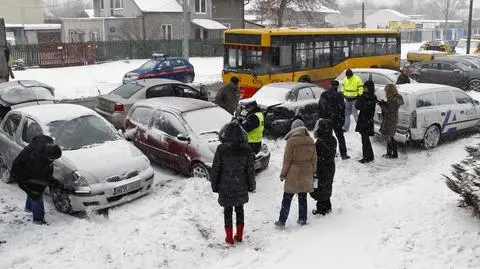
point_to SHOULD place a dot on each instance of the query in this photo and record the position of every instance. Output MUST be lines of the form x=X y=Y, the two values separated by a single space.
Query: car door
x=138 y=124
x=307 y=107
x=9 y=138
x=450 y=75
x=163 y=90
x=164 y=70
x=451 y=119
x=468 y=108
x=429 y=72
x=169 y=150
x=427 y=113
x=179 y=67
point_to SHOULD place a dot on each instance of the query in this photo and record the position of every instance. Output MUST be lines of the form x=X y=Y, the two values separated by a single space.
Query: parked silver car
x=104 y=169
x=431 y=111
x=115 y=105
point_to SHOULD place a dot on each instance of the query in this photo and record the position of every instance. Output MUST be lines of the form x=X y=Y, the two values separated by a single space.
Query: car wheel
x=431 y=137
x=474 y=85
x=61 y=201
x=189 y=78
x=200 y=171
x=5 y=176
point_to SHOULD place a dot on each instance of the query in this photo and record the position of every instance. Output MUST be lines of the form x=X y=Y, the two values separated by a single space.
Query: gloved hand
x=252 y=191
x=282 y=179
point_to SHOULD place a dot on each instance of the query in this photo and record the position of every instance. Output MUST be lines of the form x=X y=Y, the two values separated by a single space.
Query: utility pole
x=446 y=19
x=363 y=14
x=470 y=15
x=186 y=30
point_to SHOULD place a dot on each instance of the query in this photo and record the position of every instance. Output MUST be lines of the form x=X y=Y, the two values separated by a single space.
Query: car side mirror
x=456 y=71
x=475 y=102
x=183 y=138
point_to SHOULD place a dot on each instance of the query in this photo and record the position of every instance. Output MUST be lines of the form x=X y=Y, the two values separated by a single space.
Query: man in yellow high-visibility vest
x=352 y=88
x=254 y=125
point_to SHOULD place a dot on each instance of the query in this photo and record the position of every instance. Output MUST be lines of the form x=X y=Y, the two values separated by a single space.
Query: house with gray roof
x=154 y=20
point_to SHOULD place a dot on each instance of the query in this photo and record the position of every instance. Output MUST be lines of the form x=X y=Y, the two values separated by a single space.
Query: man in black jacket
x=332 y=107
x=33 y=170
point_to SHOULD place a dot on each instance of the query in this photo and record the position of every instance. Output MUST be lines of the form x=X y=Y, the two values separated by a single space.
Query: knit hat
x=349 y=73
x=335 y=83
x=297 y=123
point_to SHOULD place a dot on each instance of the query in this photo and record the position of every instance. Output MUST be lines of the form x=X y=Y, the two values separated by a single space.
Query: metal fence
x=34 y=55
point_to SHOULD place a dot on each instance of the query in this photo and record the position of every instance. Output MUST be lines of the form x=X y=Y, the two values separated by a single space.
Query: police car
x=431 y=111
x=163 y=66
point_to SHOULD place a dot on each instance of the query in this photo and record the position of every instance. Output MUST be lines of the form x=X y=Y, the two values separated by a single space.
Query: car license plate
x=126 y=188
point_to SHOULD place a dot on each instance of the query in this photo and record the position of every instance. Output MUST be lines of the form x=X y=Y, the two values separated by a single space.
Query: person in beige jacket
x=299 y=166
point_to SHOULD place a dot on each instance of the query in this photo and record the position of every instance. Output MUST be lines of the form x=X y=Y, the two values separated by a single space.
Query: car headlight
x=264 y=149
x=131 y=76
x=78 y=179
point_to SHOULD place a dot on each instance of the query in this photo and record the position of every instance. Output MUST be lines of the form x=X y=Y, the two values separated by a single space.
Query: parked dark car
x=163 y=66
x=115 y=105
x=181 y=133
x=450 y=70
x=285 y=101
x=15 y=94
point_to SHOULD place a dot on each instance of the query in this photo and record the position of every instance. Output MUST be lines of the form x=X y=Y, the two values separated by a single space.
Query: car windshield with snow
x=285 y=101
x=181 y=133
x=431 y=111
x=161 y=66
x=115 y=106
x=90 y=161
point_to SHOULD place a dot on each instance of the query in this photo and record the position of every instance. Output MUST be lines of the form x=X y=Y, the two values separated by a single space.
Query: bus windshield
x=246 y=60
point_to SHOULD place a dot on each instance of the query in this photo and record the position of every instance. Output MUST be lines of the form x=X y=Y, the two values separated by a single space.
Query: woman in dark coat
x=326 y=149
x=233 y=176
x=390 y=118
x=366 y=105
x=33 y=170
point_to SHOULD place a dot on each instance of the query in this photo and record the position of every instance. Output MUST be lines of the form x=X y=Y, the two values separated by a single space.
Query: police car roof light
x=158 y=55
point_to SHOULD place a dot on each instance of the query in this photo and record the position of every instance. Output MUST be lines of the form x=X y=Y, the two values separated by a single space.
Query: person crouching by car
x=233 y=176
x=33 y=170
x=326 y=148
x=299 y=164
x=366 y=104
x=254 y=125
x=388 y=127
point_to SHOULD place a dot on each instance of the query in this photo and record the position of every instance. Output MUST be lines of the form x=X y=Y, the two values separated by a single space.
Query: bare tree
x=444 y=9
x=276 y=9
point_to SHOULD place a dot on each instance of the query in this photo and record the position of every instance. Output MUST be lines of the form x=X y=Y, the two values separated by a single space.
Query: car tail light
x=413 y=119
x=118 y=108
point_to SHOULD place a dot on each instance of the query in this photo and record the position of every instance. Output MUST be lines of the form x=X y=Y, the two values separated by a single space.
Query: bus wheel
x=305 y=79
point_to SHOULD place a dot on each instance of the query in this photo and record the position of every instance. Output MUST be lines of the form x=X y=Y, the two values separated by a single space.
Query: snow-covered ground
x=86 y=81
x=388 y=214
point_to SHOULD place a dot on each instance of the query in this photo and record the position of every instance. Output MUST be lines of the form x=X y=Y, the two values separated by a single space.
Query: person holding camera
x=388 y=127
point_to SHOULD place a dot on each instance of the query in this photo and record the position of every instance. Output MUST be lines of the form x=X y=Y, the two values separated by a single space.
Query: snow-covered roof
x=209 y=24
x=392 y=14
x=55 y=112
x=90 y=13
x=158 y=5
x=35 y=26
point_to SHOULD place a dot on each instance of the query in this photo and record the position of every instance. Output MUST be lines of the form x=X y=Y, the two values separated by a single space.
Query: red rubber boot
x=229 y=237
x=239 y=235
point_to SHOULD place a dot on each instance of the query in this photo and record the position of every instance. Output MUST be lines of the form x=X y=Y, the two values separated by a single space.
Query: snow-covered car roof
x=178 y=104
x=419 y=88
x=22 y=91
x=56 y=112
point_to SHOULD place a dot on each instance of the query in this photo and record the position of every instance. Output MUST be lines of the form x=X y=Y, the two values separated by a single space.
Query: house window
x=167 y=31
x=102 y=5
x=93 y=36
x=116 y=4
x=201 y=6
x=201 y=34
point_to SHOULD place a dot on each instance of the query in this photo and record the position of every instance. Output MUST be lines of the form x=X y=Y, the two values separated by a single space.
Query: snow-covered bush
x=465 y=179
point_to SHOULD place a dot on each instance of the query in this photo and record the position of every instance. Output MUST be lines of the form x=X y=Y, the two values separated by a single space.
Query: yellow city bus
x=262 y=56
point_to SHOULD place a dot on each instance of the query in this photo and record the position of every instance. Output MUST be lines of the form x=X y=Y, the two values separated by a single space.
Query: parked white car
x=103 y=168
x=430 y=111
